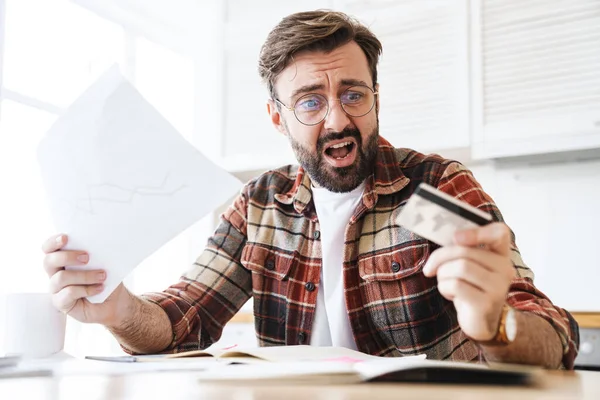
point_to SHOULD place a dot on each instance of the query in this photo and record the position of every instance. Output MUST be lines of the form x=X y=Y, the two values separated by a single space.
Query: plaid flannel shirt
x=267 y=247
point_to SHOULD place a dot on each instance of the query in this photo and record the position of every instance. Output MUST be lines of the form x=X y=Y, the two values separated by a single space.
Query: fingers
x=69 y=287
x=54 y=243
x=452 y=289
x=66 y=299
x=64 y=278
x=496 y=236
x=57 y=260
x=469 y=272
x=484 y=258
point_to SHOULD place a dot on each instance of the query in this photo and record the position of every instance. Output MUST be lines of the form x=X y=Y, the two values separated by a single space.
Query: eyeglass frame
x=293 y=109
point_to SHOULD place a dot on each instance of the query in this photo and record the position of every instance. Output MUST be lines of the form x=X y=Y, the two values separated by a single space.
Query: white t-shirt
x=331 y=326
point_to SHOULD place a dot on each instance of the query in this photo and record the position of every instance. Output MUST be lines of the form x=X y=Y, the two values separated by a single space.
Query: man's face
x=339 y=152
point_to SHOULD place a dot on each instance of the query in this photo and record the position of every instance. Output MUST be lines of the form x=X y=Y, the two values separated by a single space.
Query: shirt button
x=317 y=235
x=270 y=264
x=310 y=286
x=395 y=266
x=301 y=337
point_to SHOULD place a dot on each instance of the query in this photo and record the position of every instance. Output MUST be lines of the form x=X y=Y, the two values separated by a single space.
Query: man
x=317 y=246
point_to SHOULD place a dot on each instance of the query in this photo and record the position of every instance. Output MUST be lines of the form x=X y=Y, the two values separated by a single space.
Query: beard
x=338 y=179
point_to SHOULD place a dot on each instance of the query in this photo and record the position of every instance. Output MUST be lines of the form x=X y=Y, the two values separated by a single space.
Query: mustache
x=347 y=132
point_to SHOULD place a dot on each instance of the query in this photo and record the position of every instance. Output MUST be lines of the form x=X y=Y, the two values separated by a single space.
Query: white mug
x=30 y=326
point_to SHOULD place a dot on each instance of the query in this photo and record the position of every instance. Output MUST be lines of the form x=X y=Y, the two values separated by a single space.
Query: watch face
x=510 y=325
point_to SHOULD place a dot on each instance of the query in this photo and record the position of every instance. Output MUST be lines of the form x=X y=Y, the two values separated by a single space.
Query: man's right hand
x=70 y=288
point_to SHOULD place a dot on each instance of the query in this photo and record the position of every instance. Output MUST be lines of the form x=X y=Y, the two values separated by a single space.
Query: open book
x=253 y=355
x=333 y=365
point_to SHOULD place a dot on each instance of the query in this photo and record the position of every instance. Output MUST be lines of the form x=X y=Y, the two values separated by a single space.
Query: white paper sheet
x=121 y=181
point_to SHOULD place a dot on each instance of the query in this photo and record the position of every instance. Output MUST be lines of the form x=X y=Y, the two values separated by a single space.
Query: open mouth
x=341 y=153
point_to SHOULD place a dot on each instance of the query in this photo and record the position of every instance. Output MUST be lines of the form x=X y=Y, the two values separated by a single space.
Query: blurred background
x=511 y=88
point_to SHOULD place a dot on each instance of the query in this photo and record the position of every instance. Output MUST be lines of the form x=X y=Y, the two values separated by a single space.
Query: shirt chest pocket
x=270 y=284
x=267 y=263
x=394 y=287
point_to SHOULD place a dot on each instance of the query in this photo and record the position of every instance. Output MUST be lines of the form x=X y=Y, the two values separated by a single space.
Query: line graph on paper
x=98 y=195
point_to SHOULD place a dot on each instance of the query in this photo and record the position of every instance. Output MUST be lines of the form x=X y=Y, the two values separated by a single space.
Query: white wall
x=553 y=210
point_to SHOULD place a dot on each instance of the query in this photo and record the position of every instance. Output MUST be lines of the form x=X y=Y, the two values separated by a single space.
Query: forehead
x=327 y=69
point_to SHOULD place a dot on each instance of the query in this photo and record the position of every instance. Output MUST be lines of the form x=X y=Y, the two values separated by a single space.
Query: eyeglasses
x=311 y=109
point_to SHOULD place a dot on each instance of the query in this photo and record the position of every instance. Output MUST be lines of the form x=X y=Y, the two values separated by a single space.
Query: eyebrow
x=353 y=82
x=307 y=89
x=320 y=86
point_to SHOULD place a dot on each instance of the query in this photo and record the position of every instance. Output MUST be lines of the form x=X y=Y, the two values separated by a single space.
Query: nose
x=337 y=120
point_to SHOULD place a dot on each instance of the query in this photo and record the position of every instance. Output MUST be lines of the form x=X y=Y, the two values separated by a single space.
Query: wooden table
x=177 y=385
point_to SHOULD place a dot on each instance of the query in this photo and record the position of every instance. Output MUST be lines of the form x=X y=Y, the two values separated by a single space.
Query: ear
x=377 y=99
x=275 y=116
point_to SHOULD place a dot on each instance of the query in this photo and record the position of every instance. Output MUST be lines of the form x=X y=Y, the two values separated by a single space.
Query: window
x=50 y=51
x=25 y=221
x=50 y=56
x=53 y=53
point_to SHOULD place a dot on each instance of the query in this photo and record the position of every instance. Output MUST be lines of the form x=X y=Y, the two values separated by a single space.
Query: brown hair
x=320 y=30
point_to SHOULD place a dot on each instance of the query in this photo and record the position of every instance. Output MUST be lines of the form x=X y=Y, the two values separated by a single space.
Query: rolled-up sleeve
x=213 y=290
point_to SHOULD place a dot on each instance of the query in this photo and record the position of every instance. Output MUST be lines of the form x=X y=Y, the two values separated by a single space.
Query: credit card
x=436 y=216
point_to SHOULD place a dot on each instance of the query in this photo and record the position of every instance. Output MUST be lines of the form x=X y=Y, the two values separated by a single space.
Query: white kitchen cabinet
x=423 y=71
x=536 y=76
x=249 y=140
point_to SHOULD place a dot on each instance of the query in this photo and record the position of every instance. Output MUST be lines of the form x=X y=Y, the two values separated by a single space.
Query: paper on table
x=78 y=367
x=121 y=181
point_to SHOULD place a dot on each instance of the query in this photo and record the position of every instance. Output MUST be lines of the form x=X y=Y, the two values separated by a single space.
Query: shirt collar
x=387 y=178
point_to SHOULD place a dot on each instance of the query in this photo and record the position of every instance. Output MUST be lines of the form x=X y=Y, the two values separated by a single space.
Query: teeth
x=339 y=145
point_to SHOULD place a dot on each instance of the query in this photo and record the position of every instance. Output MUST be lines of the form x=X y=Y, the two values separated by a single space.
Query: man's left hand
x=475 y=274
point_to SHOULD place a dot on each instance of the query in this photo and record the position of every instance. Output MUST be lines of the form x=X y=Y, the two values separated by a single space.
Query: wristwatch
x=507 y=329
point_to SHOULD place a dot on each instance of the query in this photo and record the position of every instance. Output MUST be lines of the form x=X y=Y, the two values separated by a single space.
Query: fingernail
x=99 y=288
x=83 y=258
x=101 y=276
x=59 y=239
